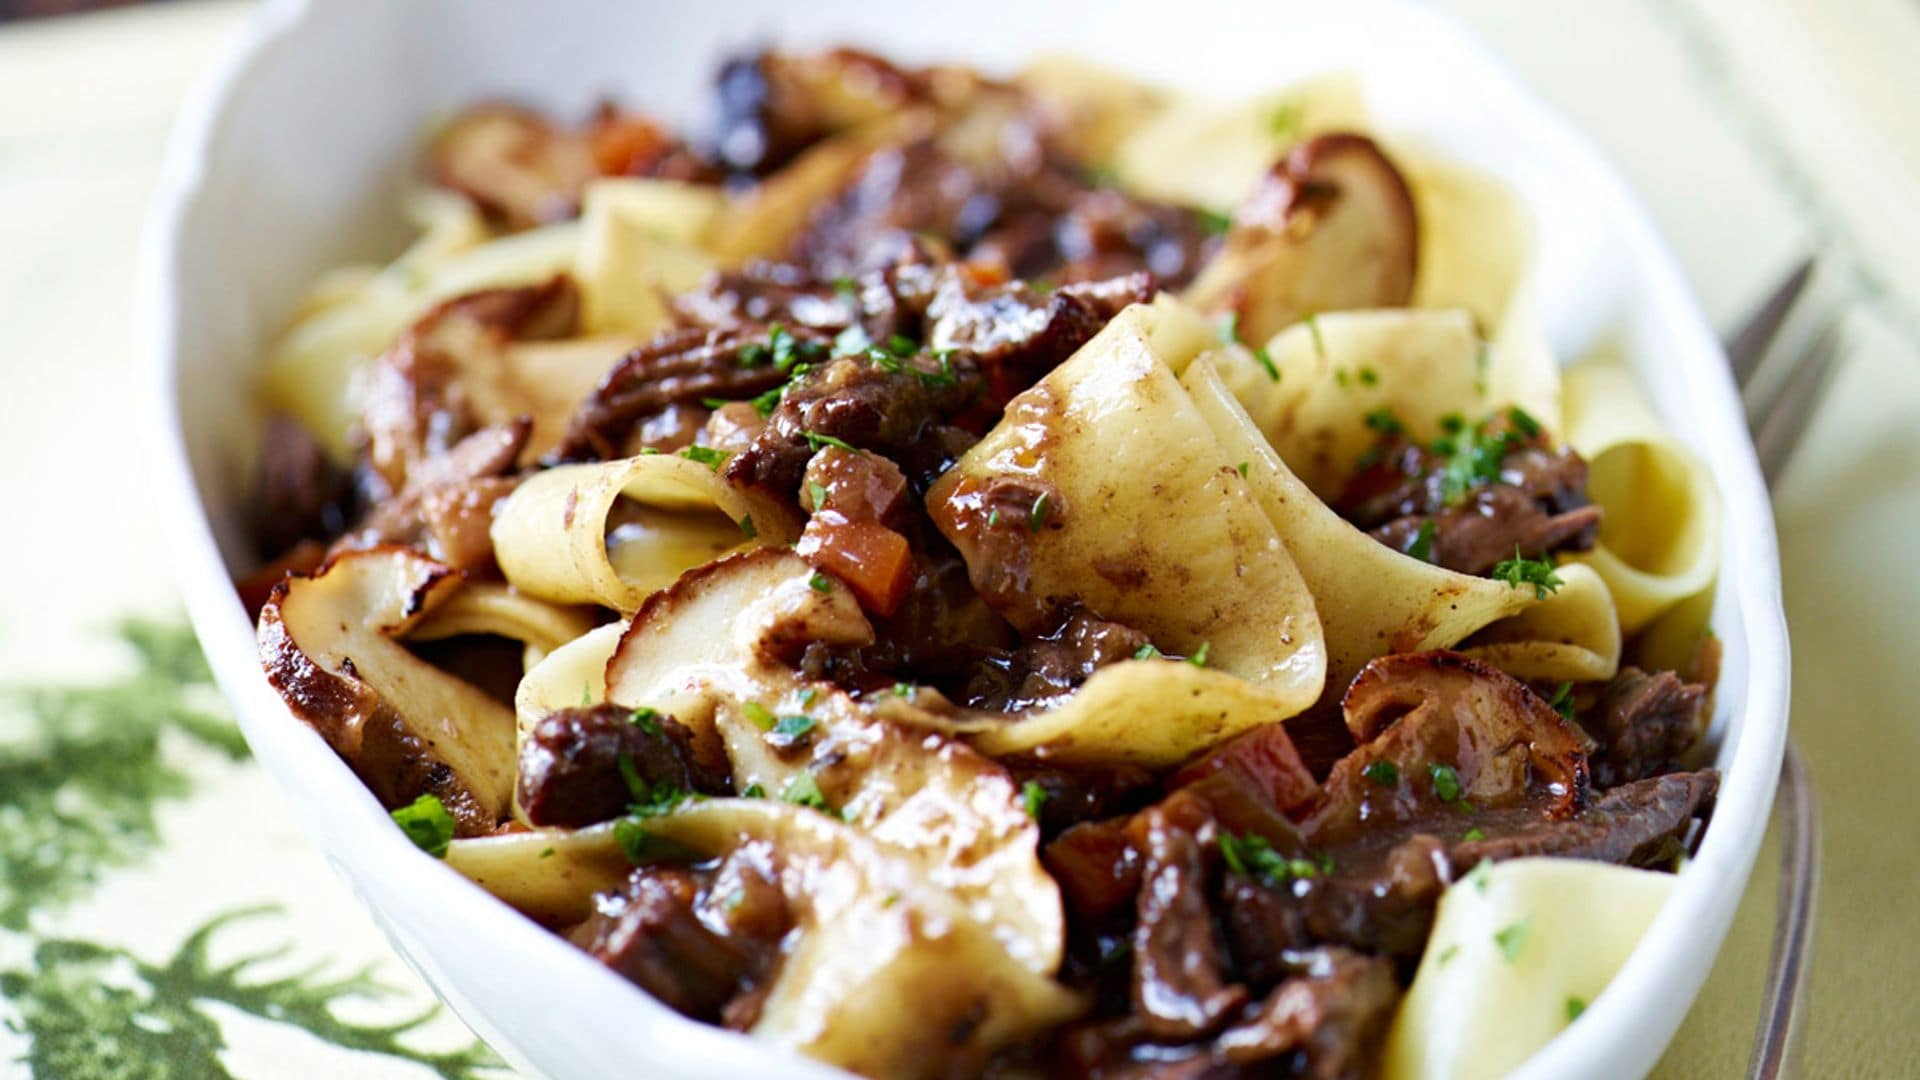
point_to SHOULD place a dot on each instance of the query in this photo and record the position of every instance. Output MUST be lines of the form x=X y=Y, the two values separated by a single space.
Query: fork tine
x=1783 y=419
x=1750 y=342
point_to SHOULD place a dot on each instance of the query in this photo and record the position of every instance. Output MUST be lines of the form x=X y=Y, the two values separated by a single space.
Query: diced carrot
x=874 y=561
x=1265 y=758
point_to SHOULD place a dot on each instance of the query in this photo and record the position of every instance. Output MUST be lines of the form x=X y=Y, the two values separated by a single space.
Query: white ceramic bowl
x=290 y=158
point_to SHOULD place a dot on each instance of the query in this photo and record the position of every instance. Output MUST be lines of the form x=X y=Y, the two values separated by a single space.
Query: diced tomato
x=874 y=561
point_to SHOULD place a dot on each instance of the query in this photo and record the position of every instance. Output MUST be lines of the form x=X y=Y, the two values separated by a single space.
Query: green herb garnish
x=1199 y=657
x=1422 y=546
x=1034 y=797
x=804 y=790
x=819 y=583
x=815 y=440
x=794 y=726
x=1562 y=700
x=646 y=720
x=1446 y=783
x=1146 y=652
x=1575 y=1007
x=1384 y=773
x=426 y=822
x=1512 y=939
x=1038 y=515
x=758 y=715
x=705 y=455
x=1520 y=571
x=1383 y=421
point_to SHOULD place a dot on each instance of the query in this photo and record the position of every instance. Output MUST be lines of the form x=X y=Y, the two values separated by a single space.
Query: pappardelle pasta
x=954 y=575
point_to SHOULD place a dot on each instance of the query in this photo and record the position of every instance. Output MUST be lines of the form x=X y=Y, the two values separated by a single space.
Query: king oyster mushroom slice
x=330 y=646
x=717 y=651
x=1331 y=227
x=1458 y=734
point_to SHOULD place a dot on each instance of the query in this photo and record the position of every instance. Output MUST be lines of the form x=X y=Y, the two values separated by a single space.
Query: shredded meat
x=1536 y=505
x=301 y=495
x=1018 y=335
x=1645 y=725
x=1180 y=987
x=678 y=369
x=578 y=766
x=1053 y=665
x=446 y=507
x=705 y=942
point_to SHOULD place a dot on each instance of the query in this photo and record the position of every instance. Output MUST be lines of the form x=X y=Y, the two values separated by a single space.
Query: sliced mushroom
x=517 y=165
x=329 y=645
x=446 y=375
x=1442 y=732
x=1331 y=227
x=717 y=652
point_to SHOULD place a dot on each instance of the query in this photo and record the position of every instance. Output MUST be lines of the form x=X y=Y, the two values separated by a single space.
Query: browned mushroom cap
x=1441 y=732
x=445 y=376
x=520 y=167
x=1331 y=227
x=328 y=644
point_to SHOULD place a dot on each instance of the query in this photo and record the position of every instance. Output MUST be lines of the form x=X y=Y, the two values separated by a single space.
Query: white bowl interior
x=291 y=161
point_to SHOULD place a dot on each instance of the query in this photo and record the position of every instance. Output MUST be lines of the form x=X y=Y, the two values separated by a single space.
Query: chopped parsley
x=845 y=286
x=1448 y=953
x=1146 y=652
x=1340 y=378
x=794 y=727
x=1285 y=120
x=1446 y=783
x=1265 y=359
x=851 y=342
x=819 y=583
x=1252 y=856
x=1520 y=572
x=1320 y=345
x=546 y=853
x=753 y=791
x=1199 y=657
x=818 y=493
x=1369 y=377
x=815 y=440
x=426 y=822
x=1383 y=421
x=646 y=720
x=1512 y=939
x=901 y=689
x=886 y=361
x=1422 y=546
x=1034 y=797
x=891 y=899
x=630 y=832
x=1038 y=515
x=748 y=528
x=586 y=694
x=705 y=455
x=715 y=402
x=1475 y=833
x=1562 y=700
x=1384 y=773
x=758 y=713
x=764 y=403
x=1230 y=328
x=804 y=790
x=1241 y=469
x=1523 y=421
x=788 y=350
x=1575 y=1006
x=1481 y=875
x=1213 y=222
x=993 y=519
x=944 y=376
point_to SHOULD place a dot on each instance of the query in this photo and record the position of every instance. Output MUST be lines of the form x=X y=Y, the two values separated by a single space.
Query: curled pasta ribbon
x=1571 y=636
x=552 y=537
x=1372 y=599
x=1660 y=525
x=312 y=370
x=1518 y=949
x=1147 y=522
x=1202 y=153
x=491 y=608
x=641 y=241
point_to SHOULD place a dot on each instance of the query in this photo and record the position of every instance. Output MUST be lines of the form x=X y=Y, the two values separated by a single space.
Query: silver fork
x=1777 y=416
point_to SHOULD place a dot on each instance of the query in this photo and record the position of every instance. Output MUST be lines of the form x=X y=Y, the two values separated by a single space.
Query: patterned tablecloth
x=161 y=915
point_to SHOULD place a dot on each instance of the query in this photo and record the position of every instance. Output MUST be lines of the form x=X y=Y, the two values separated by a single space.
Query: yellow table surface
x=1758 y=130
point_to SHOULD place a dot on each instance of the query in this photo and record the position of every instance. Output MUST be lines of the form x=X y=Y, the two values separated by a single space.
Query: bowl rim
x=402 y=888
